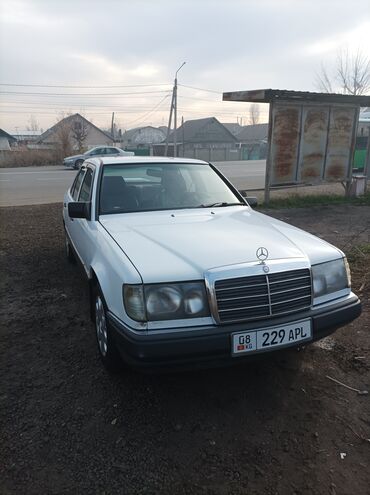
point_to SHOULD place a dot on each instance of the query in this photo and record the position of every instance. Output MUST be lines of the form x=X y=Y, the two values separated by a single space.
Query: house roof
x=7 y=136
x=131 y=132
x=234 y=128
x=191 y=129
x=52 y=129
x=253 y=133
x=24 y=134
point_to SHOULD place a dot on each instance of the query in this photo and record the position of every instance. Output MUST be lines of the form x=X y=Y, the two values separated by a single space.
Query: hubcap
x=101 y=326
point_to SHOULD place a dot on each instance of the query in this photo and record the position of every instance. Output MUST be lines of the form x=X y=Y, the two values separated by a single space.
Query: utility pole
x=174 y=110
x=183 y=136
x=169 y=124
x=112 y=126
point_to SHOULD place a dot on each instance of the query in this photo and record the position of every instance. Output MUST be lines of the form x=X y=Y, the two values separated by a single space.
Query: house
x=253 y=141
x=163 y=128
x=78 y=131
x=234 y=128
x=142 y=137
x=205 y=139
x=6 y=140
x=27 y=137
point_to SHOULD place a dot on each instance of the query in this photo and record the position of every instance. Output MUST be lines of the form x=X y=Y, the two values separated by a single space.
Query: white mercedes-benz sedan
x=183 y=272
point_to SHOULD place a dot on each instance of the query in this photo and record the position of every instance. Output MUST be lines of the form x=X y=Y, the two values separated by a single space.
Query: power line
x=49 y=112
x=202 y=99
x=217 y=112
x=141 y=117
x=31 y=104
x=201 y=89
x=52 y=105
x=149 y=113
x=72 y=86
x=80 y=94
x=81 y=87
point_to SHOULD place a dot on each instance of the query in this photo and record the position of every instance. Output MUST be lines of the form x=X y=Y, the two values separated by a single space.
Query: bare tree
x=254 y=114
x=33 y=124
x=79 y=132
x=63 y=133
x=351 y=74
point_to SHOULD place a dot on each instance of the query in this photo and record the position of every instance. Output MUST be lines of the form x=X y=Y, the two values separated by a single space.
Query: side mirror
x=79 y=209
x=252 y=200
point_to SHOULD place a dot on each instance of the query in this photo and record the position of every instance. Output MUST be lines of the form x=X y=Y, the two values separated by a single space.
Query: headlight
x=330 y=277
x=166 y=301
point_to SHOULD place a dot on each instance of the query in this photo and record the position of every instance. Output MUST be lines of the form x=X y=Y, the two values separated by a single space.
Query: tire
x=69 y=251
x=106 y=346
x=78 y=164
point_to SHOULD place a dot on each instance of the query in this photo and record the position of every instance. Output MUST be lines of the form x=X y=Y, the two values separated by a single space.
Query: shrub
x=28 y=158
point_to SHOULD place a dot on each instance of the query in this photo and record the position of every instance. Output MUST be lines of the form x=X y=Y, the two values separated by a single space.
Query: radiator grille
x=259 y=296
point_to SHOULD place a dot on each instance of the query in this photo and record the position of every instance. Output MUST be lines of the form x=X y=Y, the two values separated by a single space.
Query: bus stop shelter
x=311 y=136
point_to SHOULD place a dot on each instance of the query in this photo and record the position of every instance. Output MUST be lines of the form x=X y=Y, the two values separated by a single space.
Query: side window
x=98 y=151
x=112 y=151
x=86 y=186
x=76 y=185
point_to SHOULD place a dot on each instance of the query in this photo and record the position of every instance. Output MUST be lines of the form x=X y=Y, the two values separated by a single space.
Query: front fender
x=111 y=268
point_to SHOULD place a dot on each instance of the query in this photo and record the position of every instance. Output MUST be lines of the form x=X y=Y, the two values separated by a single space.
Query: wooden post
x=352 y=153
x=367 y=158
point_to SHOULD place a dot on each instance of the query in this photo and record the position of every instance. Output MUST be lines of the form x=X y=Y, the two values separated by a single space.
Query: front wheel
x=106 y=345
x=69 y=252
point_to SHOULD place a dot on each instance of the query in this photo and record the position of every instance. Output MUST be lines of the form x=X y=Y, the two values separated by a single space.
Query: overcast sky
x=227 y=45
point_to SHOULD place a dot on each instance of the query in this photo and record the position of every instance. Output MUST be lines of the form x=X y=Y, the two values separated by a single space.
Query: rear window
x=85 y=192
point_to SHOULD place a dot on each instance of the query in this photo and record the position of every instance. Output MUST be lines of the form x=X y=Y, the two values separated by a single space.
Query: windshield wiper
x=219 y=204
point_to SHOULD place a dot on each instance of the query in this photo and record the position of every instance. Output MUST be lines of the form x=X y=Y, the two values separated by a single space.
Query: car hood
x=184 y=244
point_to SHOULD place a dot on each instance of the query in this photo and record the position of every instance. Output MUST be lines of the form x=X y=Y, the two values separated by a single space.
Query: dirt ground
x=279 y=426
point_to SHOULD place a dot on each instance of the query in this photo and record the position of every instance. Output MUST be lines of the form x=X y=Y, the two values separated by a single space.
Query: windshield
x=150 y=187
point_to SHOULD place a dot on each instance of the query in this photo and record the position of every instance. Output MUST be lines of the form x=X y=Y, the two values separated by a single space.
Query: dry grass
x=359 y=260
x=304 y=201
x=28 y=158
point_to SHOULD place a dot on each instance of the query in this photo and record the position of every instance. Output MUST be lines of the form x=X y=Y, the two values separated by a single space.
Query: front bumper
x=210 y=346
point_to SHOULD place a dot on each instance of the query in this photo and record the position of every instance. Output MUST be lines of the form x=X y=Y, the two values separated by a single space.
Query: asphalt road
x=42 y=185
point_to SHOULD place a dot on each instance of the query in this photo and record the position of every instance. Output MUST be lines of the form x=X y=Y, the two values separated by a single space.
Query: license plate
x=267 y=339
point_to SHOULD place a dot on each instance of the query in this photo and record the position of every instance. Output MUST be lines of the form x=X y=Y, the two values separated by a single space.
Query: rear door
x=99 y=152
x=112 y=151
x=83 y=229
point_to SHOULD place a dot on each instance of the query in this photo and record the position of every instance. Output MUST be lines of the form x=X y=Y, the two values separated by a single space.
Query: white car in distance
x=183 y=272
x=75 y=161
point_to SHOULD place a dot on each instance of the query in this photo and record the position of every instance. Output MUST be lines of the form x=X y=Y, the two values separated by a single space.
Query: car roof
x=121 y=160
x=102 y=146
